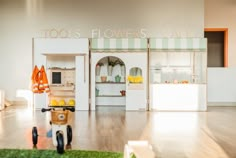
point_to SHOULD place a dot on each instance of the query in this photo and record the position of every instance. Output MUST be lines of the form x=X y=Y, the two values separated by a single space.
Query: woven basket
x=59 y=117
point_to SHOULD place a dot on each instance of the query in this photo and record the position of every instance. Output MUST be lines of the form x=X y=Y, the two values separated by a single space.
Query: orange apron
x=44 y=80
x=34 y=86
x=39 y=80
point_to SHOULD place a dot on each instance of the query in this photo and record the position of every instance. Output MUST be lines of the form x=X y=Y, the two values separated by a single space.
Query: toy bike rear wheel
x=60 y=143
x=35 y=135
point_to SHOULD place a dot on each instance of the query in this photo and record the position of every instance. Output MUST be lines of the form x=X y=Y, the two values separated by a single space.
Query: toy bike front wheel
x=69 y=134
x=35 y=135
x=60 y=143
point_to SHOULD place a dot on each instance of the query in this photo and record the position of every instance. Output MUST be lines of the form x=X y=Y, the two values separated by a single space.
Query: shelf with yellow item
x=62 y=102
x=71 y=102
x=135 y=82
x=135 y=79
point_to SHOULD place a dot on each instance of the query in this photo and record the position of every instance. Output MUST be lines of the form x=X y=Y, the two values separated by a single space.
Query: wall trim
x=225 y=30
x=221 y=104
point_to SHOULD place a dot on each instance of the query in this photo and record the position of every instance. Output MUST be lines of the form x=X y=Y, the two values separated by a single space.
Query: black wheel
x=69 y=134
x=60 y=143
x=35 y=135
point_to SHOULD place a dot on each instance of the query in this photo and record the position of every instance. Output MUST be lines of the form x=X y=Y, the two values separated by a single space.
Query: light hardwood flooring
x=210 y=134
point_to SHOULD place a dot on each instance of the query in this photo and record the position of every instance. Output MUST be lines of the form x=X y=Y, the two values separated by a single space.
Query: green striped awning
x=178 y=43
x=119 y=44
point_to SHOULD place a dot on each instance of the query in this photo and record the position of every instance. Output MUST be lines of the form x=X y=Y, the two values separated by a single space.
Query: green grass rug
x=36 y=153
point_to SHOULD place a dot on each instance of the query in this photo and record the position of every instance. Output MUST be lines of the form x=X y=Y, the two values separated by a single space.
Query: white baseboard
x=208 y=104
x=19 y=102
x=15 y=102
x=221 y=104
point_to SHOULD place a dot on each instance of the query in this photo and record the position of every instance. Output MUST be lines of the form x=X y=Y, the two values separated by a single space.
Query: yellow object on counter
x=135 y=79
x=62 y=102
x=53 y=102
x=71 y=102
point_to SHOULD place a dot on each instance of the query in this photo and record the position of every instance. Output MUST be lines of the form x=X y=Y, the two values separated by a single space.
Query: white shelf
x=135 y=86
x=110 y=105
x=110 y=96
x=62 y=88
x=64 y=55
x=110 y=82
x=64 y=96
x=58 y=68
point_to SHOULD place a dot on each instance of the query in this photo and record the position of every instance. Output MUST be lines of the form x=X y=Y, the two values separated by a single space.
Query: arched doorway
x=110 y=82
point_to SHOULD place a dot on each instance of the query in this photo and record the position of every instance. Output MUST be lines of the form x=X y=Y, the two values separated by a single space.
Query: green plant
x=118 y=61
x=111 y=62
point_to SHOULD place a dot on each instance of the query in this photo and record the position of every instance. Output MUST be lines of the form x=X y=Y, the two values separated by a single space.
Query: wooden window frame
x=225 y=30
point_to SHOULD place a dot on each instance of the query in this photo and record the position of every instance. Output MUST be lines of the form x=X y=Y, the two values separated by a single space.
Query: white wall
x=222 y=86
x=21 y=20
x=221 y=81
x=221 y=14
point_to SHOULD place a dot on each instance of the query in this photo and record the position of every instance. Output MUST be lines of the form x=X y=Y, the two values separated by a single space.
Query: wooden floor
x=209 y=134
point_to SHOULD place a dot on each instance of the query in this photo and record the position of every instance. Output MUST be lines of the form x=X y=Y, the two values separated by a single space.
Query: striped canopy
x=178 y=43
x=119 y=44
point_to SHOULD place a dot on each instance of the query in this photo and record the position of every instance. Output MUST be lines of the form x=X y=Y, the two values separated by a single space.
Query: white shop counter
x=183 y=97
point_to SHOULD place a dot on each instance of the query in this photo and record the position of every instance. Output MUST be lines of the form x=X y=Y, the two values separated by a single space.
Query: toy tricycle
x=61 y=132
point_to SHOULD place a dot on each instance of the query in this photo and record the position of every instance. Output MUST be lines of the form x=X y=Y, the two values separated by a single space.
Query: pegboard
x=69 y=77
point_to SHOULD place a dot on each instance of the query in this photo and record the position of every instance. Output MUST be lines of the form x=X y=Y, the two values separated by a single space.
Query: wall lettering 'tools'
x=61 y=33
